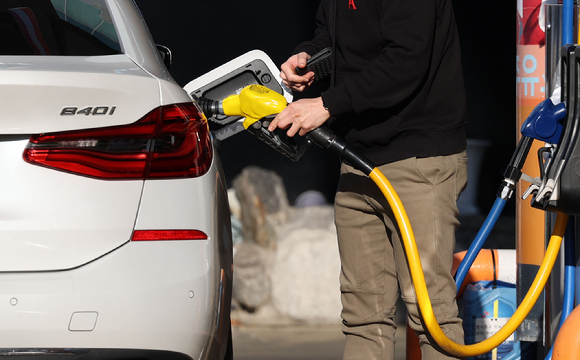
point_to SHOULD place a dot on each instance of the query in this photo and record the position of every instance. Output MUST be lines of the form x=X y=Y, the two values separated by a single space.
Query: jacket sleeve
x=407 y=34
x=321 y=35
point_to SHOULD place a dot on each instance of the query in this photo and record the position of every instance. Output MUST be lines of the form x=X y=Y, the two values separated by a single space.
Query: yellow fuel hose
x=255 y=102
x=418 y=277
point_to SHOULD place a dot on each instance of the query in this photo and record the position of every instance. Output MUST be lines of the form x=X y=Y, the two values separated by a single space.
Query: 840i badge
x=99 y=110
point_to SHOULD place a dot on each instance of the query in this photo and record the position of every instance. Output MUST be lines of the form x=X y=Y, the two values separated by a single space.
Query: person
x=397 y=95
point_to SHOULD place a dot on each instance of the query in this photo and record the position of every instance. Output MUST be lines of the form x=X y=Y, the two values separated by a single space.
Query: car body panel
x=136 y=40
x=170 y=295
x=158 y=208
x=172 y=93
x=97 y=81
x=52 y=220
x=133 y=292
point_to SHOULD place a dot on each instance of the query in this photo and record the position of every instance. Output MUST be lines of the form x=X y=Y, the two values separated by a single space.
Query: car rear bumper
x=86 y=354
x=150 y=296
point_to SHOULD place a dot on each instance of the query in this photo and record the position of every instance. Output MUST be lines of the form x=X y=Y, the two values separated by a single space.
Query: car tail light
x=169 y=142
x=158 y=235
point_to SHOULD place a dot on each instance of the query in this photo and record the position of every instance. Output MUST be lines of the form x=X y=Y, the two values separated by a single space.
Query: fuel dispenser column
x=554 y=291
x=530 y=222
x=561 y=29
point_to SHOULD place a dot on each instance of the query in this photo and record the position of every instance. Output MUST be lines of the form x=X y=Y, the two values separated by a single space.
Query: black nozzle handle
x=326 y=139
x=514 y=169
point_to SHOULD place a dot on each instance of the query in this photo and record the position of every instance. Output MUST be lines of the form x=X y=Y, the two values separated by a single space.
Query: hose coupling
x=506 y=189
x=326 y=139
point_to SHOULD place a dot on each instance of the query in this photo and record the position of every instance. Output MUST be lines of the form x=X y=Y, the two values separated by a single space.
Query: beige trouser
x=374 y=265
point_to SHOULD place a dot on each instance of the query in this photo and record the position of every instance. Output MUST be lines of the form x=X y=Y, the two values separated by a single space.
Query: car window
x=57 y=27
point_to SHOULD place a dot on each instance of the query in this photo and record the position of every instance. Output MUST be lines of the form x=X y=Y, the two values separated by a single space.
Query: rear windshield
x=57 y=27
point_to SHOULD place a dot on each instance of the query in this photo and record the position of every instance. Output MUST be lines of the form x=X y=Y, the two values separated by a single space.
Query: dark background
x=204 y=34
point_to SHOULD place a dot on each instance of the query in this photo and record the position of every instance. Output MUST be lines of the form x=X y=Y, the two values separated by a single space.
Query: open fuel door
x=247 y=73
x=254 y=67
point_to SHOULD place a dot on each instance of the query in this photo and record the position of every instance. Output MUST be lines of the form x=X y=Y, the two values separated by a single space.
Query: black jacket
x=397 y=88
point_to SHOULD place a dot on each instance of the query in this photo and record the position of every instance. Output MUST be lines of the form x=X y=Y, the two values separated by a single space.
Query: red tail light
x=170 y=142
x=159 y=235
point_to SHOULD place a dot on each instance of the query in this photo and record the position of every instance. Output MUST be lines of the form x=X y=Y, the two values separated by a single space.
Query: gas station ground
x=303 y=342
x=296 y=342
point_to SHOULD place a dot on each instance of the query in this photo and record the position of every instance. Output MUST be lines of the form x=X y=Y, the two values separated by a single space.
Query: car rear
x=114 y=228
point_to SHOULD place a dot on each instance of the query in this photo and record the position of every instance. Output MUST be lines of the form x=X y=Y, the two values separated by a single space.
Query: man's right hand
x=289 y=76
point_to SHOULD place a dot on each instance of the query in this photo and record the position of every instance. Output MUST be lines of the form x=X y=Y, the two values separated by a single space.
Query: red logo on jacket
x=351 y=5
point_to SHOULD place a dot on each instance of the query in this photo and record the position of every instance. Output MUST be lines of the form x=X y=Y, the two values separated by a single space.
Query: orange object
x=567 y=345
x=482 y=268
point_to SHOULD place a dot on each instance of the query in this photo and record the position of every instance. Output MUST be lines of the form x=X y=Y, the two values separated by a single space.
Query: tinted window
x=57 y=27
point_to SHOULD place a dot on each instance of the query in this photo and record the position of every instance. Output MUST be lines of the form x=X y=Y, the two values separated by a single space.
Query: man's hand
x=301 y=117
x=289 y=76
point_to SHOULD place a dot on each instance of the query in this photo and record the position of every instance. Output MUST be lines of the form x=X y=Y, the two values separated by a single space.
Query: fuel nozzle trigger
x=287 y=147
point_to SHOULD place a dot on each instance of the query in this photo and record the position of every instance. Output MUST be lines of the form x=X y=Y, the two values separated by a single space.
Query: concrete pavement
x=292 y=342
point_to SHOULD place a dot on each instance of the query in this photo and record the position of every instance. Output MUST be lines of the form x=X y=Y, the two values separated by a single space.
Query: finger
x=293 y=130
x=298 y=60
x=287 y=68
x=304 y=131
x=301 y=63
x=289 y=84
x=302 y=59
x=273 y=125
x=299 y=79
x=280 y=121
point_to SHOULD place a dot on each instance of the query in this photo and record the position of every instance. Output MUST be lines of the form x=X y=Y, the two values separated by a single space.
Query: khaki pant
x=374 y=265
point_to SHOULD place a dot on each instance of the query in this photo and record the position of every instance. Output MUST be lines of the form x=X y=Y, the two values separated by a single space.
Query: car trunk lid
x=54 y=220
x=48 y=94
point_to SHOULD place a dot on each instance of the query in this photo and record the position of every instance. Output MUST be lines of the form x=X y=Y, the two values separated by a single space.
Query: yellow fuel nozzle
x=254 y=103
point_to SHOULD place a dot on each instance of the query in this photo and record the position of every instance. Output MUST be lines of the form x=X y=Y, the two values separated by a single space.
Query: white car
x=115 y=239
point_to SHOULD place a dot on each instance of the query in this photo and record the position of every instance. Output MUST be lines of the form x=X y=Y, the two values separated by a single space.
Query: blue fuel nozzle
x=545 y=122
